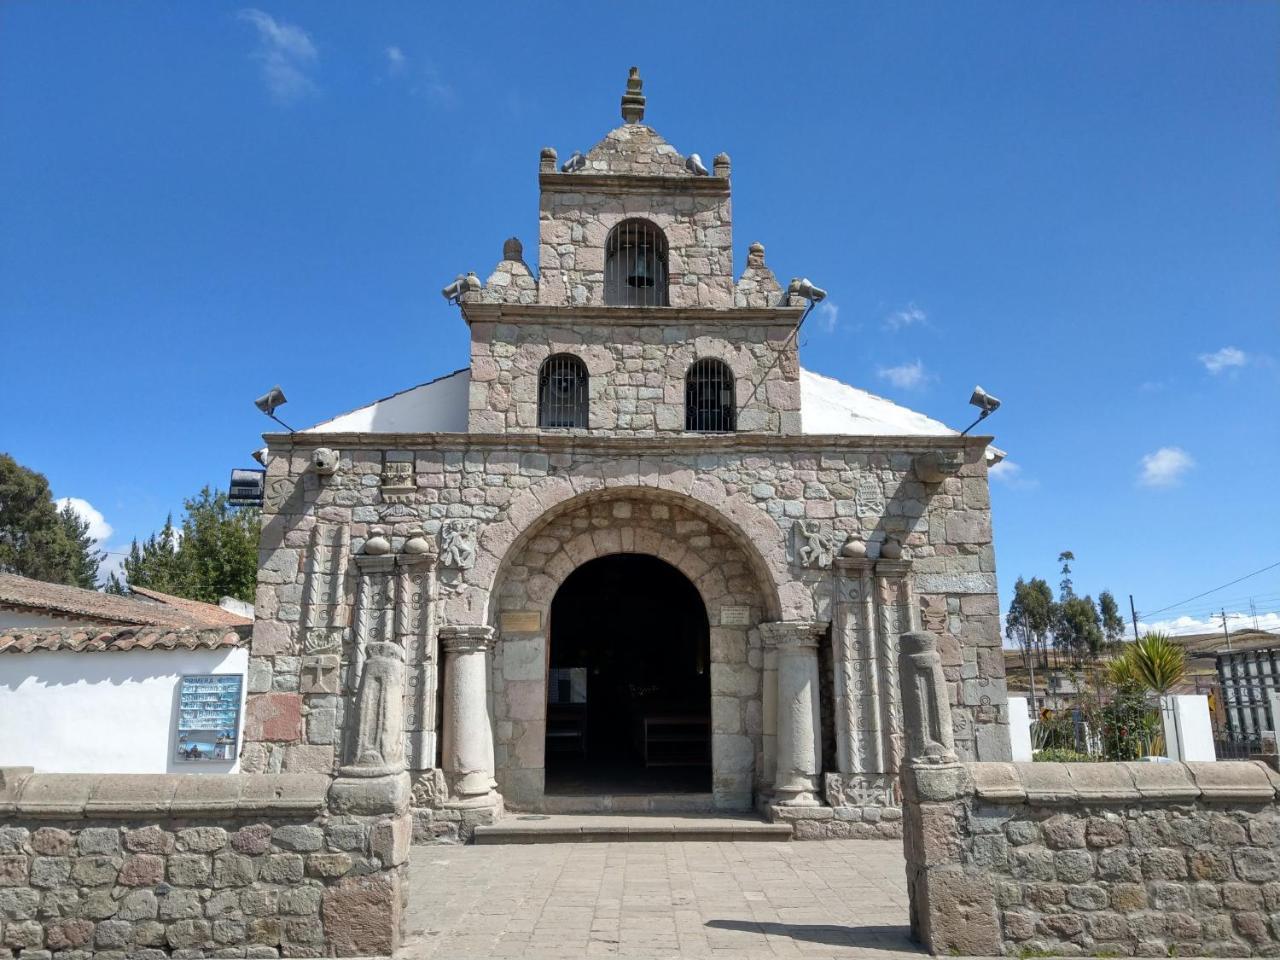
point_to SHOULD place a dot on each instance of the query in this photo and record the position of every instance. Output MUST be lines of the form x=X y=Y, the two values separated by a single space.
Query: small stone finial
x=854 y=549
x=891 y=549
x=755 y=255
x=547 y=159
x=633 y=99
x=418 y=545
x=720 y=165
x=513 y=249
x=377 y=544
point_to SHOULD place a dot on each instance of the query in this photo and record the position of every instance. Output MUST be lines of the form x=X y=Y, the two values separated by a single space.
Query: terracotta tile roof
x=208 y=613
x=91 y=606
x=99 y=639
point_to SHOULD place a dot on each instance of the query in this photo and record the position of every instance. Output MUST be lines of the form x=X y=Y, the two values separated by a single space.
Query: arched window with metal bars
x=709 y=404
x=635 y=265
x=562 y=392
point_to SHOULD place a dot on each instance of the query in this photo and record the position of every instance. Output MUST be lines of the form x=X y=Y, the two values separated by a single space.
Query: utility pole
x=1225 y=633
x=1133 y=613
x=1254 y=611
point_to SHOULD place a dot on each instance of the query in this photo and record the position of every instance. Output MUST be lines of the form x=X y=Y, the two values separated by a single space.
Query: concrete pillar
x=468 y=734
x=798 y=761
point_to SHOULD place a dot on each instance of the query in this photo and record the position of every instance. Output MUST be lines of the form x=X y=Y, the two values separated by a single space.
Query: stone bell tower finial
x=633 y=99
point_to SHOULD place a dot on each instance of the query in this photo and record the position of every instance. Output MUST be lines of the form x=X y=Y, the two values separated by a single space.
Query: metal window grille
x=709 y=405
x=635 y=265
x=562 y=392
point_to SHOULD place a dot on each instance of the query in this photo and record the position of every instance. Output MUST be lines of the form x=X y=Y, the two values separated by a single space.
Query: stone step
x=682 y=804
x=612 y=828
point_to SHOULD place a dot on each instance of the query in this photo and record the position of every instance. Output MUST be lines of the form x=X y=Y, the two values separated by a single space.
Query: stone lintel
x=598 y=315
x=853 y=566
x=585 y=181
x=82 y=795
x=893 y=568
x=651 y=444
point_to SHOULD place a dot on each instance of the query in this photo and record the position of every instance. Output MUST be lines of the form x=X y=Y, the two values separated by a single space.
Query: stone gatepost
x=797 y=749
x=468 y=733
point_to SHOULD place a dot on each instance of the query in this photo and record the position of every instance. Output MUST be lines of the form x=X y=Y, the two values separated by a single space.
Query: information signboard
x=208 y=722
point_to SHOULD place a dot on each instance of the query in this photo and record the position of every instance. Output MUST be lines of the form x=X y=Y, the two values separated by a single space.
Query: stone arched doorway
x=735 y=595
x=629 y=681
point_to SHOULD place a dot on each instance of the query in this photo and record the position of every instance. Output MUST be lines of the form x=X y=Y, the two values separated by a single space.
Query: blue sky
x=1075 y=205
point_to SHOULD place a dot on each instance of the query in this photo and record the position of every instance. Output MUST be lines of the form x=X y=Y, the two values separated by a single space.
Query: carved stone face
x=325 y=461
x=937 y=465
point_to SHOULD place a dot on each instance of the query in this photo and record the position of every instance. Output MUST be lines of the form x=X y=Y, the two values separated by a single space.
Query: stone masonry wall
x=497 y=492
x=181 y=866
x=1044 y=859
x=637 y=372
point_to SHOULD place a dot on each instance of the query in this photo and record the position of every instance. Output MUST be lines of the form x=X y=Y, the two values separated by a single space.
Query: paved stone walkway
x=819 y=899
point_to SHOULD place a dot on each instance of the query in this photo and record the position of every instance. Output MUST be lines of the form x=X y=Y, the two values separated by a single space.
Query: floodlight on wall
x=575 y=163
x=986 y=404
x=693 y=163
x=463 y=283
x=268 y=403
x=804 y=287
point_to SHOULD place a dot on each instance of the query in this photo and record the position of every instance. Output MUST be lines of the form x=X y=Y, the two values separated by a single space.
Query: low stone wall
x=1106 y=859
x=157 y=866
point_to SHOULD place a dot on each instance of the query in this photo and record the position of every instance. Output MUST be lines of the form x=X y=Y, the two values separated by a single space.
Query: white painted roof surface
x=439 y=406
x=830 y=407
x=827 y=406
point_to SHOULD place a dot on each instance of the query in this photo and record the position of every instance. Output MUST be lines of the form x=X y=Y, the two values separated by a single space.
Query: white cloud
x=828 y=315
x=396 y=60
x=1180 y=626
x=286 y=53
x=1228 y=358
x=99 y=529
x=908 y=316
x=1010 y=474
x=1165 y=467
x=906 y=376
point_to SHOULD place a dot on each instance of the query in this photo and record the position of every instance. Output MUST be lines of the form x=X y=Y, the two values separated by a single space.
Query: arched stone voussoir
x=536 y=508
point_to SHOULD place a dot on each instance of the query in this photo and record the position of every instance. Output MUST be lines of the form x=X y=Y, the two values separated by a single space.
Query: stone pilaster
x=895 y=615
x=468 y=734
x=415 y=633
x=798 y=760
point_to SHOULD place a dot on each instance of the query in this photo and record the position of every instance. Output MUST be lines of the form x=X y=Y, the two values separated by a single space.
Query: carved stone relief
x=870 y=497
x=813 y=544
x=926 y=709
x=458 y=544
x=397 y=482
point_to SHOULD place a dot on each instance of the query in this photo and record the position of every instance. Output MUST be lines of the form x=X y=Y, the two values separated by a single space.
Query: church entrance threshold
x=628 y=692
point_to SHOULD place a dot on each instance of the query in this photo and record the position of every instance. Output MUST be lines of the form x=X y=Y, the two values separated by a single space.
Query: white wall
x=30 y=618
x=102 y=712
x=1020 y=729
x=1188 y=729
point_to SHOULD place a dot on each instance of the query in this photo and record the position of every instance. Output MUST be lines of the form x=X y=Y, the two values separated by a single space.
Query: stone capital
x=893 y=568
x=790 y=634
x=383 y=563
x=853 y=566
x=455 y=638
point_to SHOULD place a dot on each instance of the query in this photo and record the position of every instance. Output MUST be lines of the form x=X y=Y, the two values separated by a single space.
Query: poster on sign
x=208 y=721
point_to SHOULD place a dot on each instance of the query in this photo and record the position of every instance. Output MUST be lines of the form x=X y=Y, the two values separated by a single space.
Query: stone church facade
x=630 y=399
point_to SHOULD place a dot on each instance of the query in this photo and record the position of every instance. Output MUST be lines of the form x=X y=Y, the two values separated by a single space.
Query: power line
x=1215 y=589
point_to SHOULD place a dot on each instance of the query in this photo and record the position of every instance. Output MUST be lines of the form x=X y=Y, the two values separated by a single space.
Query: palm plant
x=1153 y=661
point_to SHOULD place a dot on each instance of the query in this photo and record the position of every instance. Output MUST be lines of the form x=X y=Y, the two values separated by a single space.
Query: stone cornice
x=630 y=446
x=614 y=183
x=597 y=315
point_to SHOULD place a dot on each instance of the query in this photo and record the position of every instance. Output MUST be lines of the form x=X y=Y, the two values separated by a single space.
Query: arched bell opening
x=629 y=681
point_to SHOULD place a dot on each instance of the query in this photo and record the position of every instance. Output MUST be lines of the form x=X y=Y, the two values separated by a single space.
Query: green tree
x=215 y=556
x=1065 y=591
x=1028 y=621
x=36 y=539
x=1112 y=622
x=1078 y=630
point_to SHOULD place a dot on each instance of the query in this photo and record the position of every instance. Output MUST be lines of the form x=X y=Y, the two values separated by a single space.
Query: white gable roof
x=831 y=407
x=438 y=406
x=827 y=406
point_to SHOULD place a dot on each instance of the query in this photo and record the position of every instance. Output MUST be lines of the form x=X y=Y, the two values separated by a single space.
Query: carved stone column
x=856 y=669
x=930 y=739
x=798 y=760
x=415 y=632
x=896 y=615
x=468 y=735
